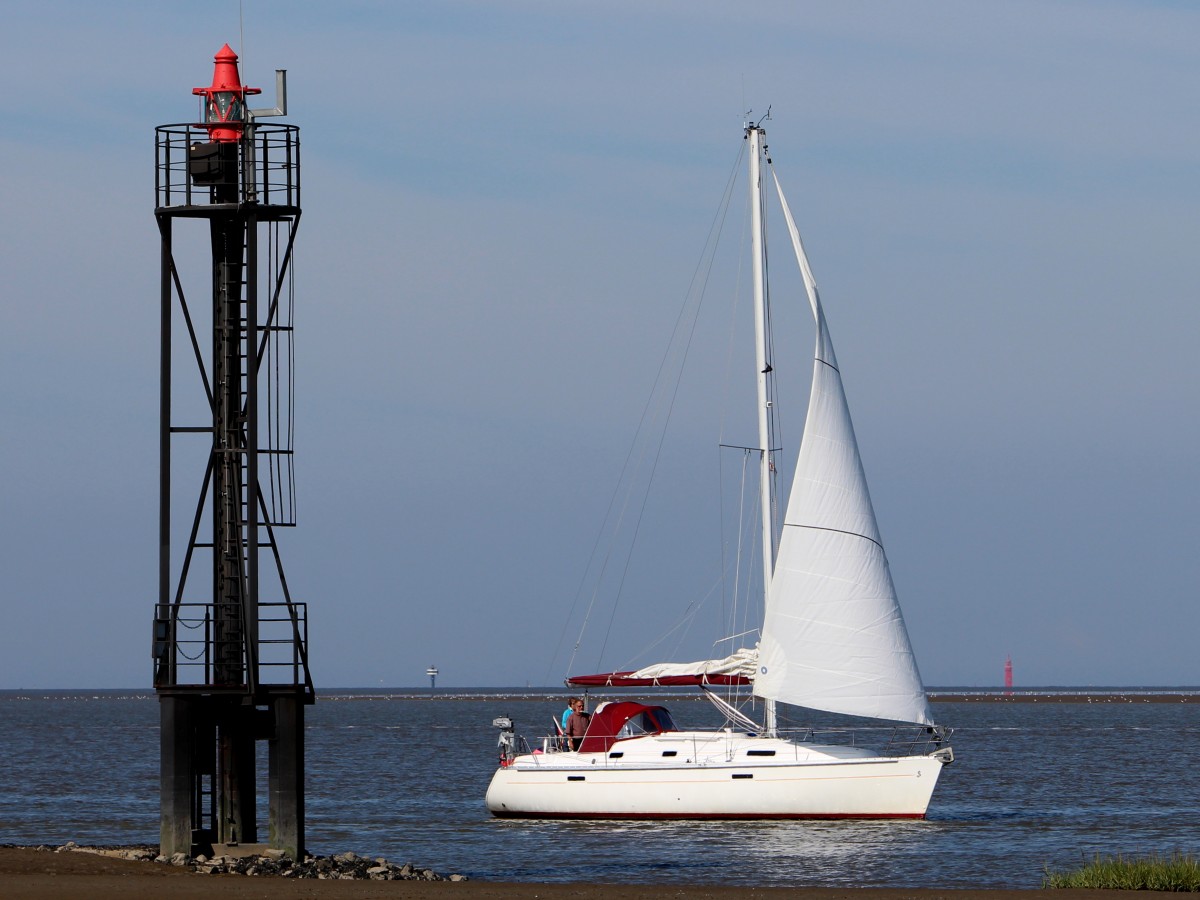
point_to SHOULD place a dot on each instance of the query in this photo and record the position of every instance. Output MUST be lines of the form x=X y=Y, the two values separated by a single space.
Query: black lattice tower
x=230 y=650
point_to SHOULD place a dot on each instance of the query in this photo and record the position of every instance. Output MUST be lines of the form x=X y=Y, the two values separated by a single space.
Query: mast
x=763 y=368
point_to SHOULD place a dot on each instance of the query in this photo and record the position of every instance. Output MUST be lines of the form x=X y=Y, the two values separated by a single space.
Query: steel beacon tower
x=230 y=645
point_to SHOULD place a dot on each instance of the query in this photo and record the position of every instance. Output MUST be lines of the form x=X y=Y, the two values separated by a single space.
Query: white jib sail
x=834 y=638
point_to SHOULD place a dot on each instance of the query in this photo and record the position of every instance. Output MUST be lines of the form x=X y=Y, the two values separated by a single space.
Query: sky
x=504 y=205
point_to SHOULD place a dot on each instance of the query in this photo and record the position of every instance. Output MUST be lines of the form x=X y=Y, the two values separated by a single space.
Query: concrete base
x=237 y=851
x=196 y=790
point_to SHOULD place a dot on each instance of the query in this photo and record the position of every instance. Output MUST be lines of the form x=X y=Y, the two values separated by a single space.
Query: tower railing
x=282 y=637
x=269 y=175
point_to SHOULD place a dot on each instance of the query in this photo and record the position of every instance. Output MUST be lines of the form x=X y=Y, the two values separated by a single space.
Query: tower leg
x=176 y=775
x=237 y=814
x=286 y=772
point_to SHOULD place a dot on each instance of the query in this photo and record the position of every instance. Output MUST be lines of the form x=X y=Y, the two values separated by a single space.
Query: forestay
x=833 y=637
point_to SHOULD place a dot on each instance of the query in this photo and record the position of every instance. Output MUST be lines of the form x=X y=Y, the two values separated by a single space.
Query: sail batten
x=834 y=638
x=865 y=537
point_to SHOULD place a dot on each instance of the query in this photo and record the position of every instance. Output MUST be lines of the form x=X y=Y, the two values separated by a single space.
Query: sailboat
x=833 y=640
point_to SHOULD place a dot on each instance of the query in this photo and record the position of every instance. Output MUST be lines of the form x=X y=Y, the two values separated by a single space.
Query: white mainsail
x=833 y=637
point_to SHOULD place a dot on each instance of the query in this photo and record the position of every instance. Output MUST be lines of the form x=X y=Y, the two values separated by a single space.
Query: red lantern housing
x=225 y=99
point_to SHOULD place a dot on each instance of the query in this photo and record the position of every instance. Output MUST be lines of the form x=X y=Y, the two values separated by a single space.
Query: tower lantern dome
x=225 y=99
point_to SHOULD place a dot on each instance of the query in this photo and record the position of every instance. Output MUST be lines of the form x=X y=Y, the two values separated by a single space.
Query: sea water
x=403 y=775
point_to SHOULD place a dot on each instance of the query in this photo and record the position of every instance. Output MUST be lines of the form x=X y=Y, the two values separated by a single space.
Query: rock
x=270 y=863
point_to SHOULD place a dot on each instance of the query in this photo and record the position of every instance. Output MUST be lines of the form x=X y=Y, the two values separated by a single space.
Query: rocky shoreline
x=131 y=873
x=269 y=863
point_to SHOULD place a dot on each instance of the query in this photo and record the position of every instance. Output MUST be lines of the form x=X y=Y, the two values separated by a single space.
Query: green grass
x=1179 y=873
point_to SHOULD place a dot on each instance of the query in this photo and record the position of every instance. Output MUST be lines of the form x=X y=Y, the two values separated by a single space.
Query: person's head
x=577 y=704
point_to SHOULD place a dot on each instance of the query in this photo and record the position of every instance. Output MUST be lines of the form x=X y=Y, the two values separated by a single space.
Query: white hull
x=713 y=777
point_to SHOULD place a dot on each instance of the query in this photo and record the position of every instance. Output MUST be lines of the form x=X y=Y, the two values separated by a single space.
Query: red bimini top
x=612 y=722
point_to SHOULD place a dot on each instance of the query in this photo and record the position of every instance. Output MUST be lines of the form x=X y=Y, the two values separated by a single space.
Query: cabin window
x=616 y=755
x=639 y=724
x=743 y=775
x=760 y=752
x=647 y=722
x=664 y=720
x=576 y=778
x=670 y=753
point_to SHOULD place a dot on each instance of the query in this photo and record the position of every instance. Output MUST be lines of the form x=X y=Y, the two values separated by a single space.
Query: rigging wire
x=741 y=537
x=685 y=622
x=730 y=614
x=689 y=616
x=701 y=274
x=626 y=479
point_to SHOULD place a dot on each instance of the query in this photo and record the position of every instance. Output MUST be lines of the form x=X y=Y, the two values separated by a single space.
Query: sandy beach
x=31 y=874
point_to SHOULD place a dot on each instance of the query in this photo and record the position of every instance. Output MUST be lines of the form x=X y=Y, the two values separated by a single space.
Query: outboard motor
x=507 y=745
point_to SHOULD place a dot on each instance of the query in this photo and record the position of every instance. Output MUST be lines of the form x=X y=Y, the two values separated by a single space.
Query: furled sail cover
x=834 y=638
x=737 y=669
x=743 y=662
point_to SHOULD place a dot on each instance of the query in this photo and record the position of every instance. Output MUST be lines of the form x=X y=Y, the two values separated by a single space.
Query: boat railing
x=553 y=743
x=853 y=737
x=894 y=740
x=917 y=740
